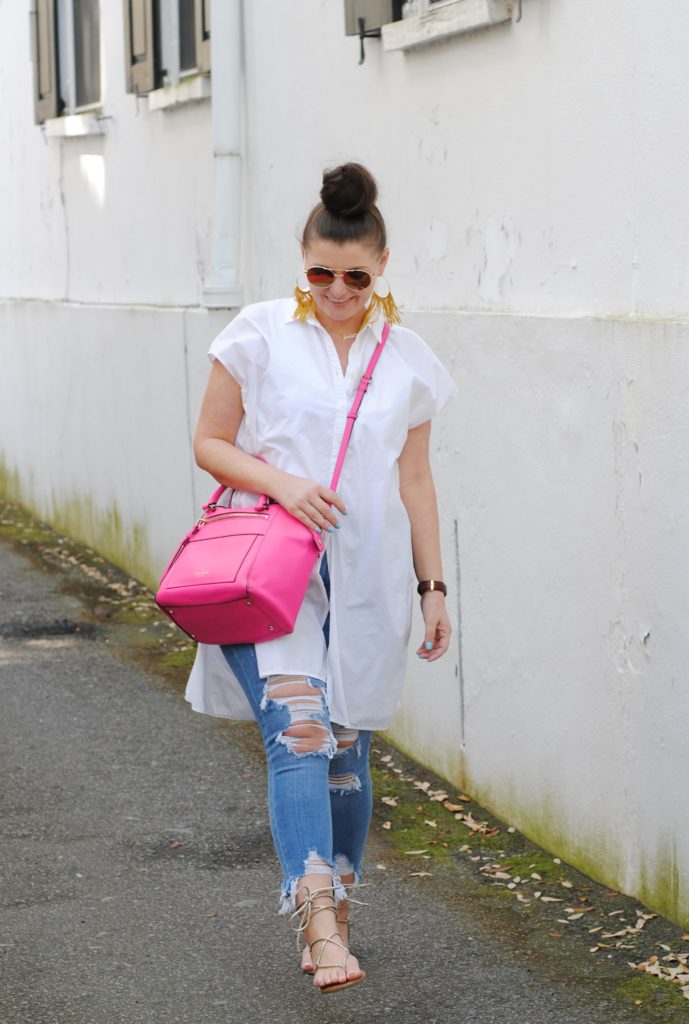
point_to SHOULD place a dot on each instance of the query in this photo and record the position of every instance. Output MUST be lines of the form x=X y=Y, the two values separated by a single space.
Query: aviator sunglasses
x=355 y=280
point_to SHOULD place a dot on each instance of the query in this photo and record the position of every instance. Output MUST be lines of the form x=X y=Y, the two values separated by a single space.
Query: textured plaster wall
x=534 y=167
x=98 y=444
x=564 y=466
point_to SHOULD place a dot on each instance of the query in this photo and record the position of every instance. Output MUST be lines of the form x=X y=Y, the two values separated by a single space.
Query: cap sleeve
x=242 y=349
x=432 y=386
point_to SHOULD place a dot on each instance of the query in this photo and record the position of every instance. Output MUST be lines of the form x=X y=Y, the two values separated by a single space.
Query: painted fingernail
x=318 y=530
x=428 y=645
x=337 y=526
x=330 y=529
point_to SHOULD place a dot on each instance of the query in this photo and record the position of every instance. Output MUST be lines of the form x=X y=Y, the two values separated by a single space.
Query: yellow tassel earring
x=306 y=307
x=385 y=303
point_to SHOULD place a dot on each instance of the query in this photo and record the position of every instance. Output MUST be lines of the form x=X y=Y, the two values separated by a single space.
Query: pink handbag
x=240 y=574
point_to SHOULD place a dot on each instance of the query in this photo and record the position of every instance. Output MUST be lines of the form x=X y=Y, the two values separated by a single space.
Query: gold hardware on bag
x=233 y=515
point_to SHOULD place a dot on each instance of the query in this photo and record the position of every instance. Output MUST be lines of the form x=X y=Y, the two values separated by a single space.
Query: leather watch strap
x=426 y=585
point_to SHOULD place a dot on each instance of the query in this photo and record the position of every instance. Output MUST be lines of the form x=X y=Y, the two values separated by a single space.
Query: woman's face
x=338 y=302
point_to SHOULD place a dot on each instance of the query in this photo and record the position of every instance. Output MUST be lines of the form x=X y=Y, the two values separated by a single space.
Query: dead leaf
x=555 y=935
x=387 y=825
x=389 y=801
x=550 y=899
x=466 y=799
x=432 y=824
x=175 y=845
x=420 y=874
x=452 y=807
x=415 y=853
x=212 y=913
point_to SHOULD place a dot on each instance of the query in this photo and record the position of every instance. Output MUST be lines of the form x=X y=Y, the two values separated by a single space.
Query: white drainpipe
x=222 y=287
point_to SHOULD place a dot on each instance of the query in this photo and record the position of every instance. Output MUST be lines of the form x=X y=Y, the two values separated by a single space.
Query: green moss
x=661 y=885
x=179 y=659
x=10 y=482
x=125 y=545
x=81 y=518
x=655 y=994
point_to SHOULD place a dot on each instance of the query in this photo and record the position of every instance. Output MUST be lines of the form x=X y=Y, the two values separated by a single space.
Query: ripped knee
x=345 y=737
x=308 y=731
x=340 y=780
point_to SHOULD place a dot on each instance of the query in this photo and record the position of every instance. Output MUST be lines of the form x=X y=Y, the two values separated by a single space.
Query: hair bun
x=349 y=190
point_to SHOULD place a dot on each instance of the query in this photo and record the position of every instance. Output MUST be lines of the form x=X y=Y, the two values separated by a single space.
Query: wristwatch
x=425 y=585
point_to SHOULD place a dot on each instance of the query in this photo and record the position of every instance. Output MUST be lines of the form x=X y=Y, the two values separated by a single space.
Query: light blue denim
x=319 y=801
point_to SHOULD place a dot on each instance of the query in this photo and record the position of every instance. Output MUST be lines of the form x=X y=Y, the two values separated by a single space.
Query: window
x=165 y=40
x=66 y=56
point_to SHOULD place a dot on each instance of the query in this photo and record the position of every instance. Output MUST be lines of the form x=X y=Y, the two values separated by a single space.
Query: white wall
x=532 y=177
x=107 y=240
x=524 y=168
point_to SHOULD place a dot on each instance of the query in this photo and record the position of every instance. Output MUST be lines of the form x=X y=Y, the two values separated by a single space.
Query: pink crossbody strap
x=354 y=411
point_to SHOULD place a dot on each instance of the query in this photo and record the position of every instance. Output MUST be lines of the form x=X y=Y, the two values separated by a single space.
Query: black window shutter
x=203 y=35
x=44 y=50
x=140 y=45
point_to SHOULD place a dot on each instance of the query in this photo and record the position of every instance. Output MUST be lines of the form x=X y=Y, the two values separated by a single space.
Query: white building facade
x=531 y=161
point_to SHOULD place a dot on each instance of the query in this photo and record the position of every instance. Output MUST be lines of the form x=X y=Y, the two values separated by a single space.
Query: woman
x=283 y=378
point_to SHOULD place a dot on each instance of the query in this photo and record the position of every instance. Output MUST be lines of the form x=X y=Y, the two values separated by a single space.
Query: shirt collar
x=375 y=325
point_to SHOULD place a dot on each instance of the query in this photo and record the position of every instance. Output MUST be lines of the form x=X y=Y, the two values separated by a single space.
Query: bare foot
x=323 y=935
x=342 y=913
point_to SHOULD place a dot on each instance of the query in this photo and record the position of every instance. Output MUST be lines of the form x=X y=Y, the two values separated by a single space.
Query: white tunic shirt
x=296 y=400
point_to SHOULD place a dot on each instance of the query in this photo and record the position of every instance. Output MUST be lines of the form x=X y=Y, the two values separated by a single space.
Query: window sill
x=71 y=126
x=189 y=90
x=461 y=16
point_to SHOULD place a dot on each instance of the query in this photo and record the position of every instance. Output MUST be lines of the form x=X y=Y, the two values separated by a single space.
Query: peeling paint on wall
x=500 y=246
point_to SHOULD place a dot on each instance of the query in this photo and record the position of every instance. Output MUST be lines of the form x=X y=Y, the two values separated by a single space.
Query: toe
x=306 y=961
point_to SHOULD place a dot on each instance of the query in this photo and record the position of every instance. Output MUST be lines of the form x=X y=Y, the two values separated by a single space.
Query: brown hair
x=347 y=211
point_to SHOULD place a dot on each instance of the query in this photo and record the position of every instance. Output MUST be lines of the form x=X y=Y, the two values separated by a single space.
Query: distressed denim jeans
x=319 y=784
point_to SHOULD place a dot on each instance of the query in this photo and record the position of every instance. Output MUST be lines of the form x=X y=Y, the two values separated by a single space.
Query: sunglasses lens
x=357 y=279
x=321 y=277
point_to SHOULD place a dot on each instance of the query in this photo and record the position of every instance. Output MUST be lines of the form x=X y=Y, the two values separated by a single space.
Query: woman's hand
x=308 y=501
x=438 y=628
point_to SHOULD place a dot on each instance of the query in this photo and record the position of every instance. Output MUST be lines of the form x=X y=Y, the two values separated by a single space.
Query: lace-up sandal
x=334 y=940
x=300 y=921
x=308 y=969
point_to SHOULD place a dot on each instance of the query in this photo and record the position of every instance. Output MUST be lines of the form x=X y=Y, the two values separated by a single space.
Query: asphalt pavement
x=139 y=882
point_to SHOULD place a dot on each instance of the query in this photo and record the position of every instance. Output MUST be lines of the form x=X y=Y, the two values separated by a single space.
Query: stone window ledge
x=448 y=20
x=187 y=90
x=71 y=126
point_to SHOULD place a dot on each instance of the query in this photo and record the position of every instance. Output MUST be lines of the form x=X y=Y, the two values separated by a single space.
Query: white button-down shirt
x=296 y=400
